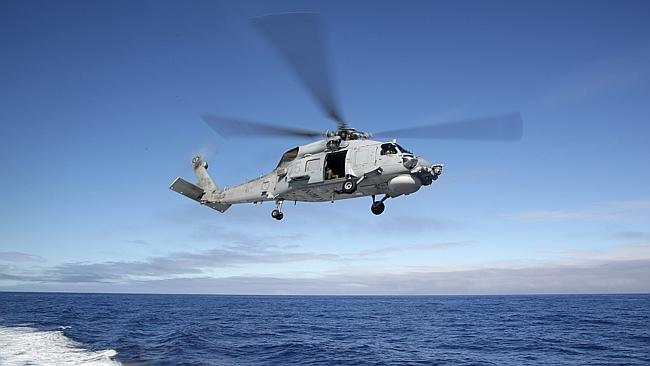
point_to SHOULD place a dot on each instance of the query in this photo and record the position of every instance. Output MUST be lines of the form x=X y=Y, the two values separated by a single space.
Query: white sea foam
x=28 y=346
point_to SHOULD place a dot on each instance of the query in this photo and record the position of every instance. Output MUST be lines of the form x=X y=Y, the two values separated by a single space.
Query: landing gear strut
x=277 y=213
x=378 y=206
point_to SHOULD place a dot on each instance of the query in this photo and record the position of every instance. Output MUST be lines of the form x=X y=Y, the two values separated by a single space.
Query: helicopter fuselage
x=316 y=172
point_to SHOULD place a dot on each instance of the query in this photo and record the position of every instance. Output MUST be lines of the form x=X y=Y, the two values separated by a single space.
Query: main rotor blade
x=508 y=127
x=235 y=127
x=298 y=39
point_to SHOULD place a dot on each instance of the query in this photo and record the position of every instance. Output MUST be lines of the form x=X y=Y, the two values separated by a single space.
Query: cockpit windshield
x=403 y=149
x=288 y=156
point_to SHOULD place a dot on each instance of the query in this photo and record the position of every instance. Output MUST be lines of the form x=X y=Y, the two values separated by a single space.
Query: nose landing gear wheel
x=349 y=186
x=276 y=214
x=377 y=208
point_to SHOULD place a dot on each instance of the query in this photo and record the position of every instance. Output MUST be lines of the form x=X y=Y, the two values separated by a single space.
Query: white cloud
x=611 y=277
x=603 y=211
x=409 y=248
x=20 y=257
x=623 y=268
x=640 y=251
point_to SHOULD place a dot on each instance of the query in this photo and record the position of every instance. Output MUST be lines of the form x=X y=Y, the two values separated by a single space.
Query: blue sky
x=100 y=112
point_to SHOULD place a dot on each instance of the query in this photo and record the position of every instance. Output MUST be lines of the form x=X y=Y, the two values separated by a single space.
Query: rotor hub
x=351 y=134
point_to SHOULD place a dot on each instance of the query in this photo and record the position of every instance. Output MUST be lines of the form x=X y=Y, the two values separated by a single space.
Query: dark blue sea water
x=44 y=328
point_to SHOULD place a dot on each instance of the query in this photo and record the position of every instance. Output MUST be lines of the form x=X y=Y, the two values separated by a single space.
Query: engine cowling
x=403 y=184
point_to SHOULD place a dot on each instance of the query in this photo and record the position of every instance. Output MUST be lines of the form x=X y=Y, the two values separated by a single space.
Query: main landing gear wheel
x=349 y=186
x=277 y=214
x=377 y=208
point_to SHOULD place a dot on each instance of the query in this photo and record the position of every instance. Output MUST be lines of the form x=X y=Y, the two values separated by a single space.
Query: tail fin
x=206 y=192
x=206 y=183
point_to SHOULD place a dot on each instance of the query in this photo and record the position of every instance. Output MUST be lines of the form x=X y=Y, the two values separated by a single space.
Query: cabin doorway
x=335 y=165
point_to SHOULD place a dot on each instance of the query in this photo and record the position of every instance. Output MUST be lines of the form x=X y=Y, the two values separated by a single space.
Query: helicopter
x=343 y=163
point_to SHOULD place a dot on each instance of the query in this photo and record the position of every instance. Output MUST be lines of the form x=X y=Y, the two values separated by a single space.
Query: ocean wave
x=28 y=346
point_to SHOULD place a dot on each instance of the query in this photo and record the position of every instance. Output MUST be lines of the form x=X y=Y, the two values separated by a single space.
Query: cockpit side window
x=388 y=149
x=288 y=156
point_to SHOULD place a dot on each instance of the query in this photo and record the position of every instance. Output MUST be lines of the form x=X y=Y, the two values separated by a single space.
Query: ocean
x=114 y=329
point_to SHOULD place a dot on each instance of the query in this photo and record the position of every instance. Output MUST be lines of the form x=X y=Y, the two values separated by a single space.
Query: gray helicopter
x=344 y=163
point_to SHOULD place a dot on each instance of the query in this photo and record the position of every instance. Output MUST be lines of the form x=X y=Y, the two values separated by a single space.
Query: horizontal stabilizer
x=187 y=189
x=195 y=193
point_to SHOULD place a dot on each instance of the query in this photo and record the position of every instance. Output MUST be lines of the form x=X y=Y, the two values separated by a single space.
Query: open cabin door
x=334 y=167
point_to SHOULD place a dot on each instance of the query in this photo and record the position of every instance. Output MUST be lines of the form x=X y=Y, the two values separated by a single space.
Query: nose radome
x=404 y=184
